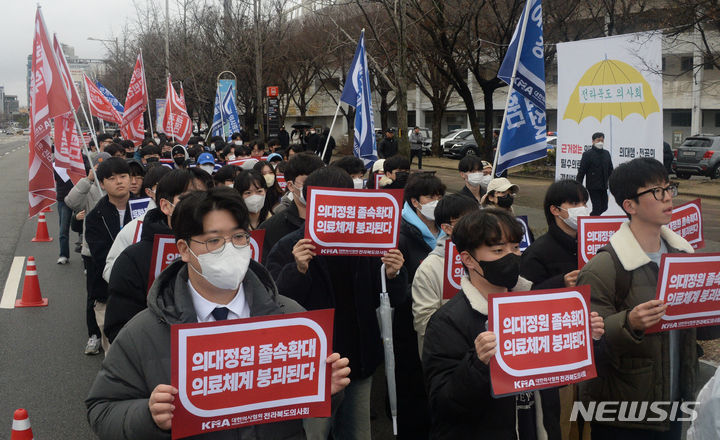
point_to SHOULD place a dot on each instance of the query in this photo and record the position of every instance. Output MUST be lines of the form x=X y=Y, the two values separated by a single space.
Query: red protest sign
x=378 y=177
x=257 y=238
x=453 y=271
x=346 y=222
x=138 y=231
x=687 y=222
x=543 y=339
x=241 y=162
x=164 y=253
x=236 y=373
x=280 y=179
x=690 y=285
x=594 y=233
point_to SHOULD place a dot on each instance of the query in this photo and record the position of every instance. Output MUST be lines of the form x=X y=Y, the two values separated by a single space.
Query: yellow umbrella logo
x=611 y=87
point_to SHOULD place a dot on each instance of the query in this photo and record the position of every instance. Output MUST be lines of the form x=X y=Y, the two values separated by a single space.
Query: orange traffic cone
x=31 y=296
x=21 y=426
x=41 y=234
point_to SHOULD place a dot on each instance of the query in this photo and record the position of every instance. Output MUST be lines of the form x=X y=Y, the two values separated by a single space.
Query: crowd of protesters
x=442 y=347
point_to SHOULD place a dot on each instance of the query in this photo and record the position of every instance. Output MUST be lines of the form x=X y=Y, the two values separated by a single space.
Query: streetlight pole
x=167 y=38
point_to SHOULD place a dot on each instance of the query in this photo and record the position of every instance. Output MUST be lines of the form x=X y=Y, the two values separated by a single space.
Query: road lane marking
x=12 y=283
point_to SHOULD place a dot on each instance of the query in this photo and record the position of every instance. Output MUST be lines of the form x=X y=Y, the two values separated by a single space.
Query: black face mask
x=129 y=154
x=166 y=155
x=503 y=272
x=505 y=201
x=151 y=159
x=179 y=161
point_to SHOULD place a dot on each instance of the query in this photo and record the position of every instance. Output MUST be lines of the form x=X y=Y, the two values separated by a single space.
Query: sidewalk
x=696 y=186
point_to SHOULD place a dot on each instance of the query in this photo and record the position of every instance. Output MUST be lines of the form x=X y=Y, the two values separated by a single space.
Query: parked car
x=26 y=132
x=461 y=148
x=698 y=155
x=460 y=133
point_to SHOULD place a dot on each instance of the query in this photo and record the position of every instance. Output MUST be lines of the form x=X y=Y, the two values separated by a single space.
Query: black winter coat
x=461 y=401
x=102 y=225
x=128 y=286
x=549 y=258
x=596 y=167
x=278 y=226
x=388 y=148
x=314 y=290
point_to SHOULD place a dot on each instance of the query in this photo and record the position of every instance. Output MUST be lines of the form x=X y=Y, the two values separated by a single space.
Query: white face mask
x=300 y=196
x=238 y=142
x=474 y=179
x=485 y=180
x=428 y=209
x=208 y=168
x=269 y=179
x=255 y=203
x=573 y=214
x=598 y=145
x=212 y=147
x=224 y=270
x=231 y=157
x=230 y=185
x=358 y=183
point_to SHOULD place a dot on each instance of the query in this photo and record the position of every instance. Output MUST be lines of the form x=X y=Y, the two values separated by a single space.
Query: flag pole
x=327 y=141
x=92 y=127
x=526 y=15
x=69 y=99
x=167 y=107
x=147 y=95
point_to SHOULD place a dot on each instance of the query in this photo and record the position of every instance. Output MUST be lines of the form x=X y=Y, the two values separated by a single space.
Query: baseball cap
x=502 y=184
x=205 y=158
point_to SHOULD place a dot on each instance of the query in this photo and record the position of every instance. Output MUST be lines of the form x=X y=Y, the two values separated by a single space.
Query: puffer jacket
x=632 y=366
x=427 y=289
x=83 y=197
x=461 y=402
x=117 y=406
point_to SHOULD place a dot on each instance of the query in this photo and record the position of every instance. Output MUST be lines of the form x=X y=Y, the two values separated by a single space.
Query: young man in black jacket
x=128 y=286
x=102 y=225
x=551 y=261
x=596 y=167
x=350 y=285
x=418 y=237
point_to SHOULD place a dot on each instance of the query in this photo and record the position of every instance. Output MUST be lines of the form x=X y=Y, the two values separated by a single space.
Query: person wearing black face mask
x=458 y=348
x=500 y=194
x=180 y=156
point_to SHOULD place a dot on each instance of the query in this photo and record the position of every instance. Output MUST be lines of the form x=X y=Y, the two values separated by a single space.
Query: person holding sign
x=623 y=276
x=551 y=261
x=128 y=282
x=458 y=347
x=350 y=285
x=131 y=397
x=427 y=285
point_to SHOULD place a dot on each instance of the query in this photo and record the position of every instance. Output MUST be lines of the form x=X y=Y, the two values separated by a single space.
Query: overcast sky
x=72 y=20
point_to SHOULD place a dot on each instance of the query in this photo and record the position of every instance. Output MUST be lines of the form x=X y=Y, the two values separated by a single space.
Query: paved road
x=42 y=364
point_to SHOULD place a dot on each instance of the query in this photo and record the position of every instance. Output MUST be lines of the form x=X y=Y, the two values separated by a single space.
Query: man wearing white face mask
x=216 y=280
x=418 y=237
x=471 y=170
x=596 y=167
x=565 y=201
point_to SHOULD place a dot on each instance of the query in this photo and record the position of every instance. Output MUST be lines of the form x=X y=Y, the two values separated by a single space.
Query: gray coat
x=117 y=406
x=84 y=196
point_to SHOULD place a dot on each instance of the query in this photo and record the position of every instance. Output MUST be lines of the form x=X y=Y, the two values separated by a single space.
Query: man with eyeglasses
x=215 y=279
x=634 y=366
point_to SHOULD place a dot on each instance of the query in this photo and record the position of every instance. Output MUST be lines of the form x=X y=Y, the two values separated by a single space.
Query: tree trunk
x=259 y=114
x=401 y=80
x=384 y=109
x=486 y=148
x=438 y=112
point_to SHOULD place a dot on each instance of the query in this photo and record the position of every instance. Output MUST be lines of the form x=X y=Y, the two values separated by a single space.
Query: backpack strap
x=623 y=278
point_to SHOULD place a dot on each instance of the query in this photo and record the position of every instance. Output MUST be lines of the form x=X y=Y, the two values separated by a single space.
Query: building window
x=717 y=119
x=708 y=62
x=686 y=64
x=680 y=118
x=664 y=64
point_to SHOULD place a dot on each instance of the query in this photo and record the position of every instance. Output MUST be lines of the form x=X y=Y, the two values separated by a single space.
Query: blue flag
x=230 y=117
x=357 y=94
x=217 y=123
x=523 y=133
x=113 y=100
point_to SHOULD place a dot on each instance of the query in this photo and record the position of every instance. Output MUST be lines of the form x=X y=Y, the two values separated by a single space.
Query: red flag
x=47 y=100
x=176 y=121
x=99 y=105
x=137 y=93
x=51 y=99
x=65 y=72
x=134 y=131
x=67 y=148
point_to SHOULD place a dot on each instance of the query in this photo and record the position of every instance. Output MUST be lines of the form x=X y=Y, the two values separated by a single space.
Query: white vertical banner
x=611 y=85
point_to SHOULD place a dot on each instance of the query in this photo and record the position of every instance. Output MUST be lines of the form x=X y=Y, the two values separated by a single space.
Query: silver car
x=698 y=155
